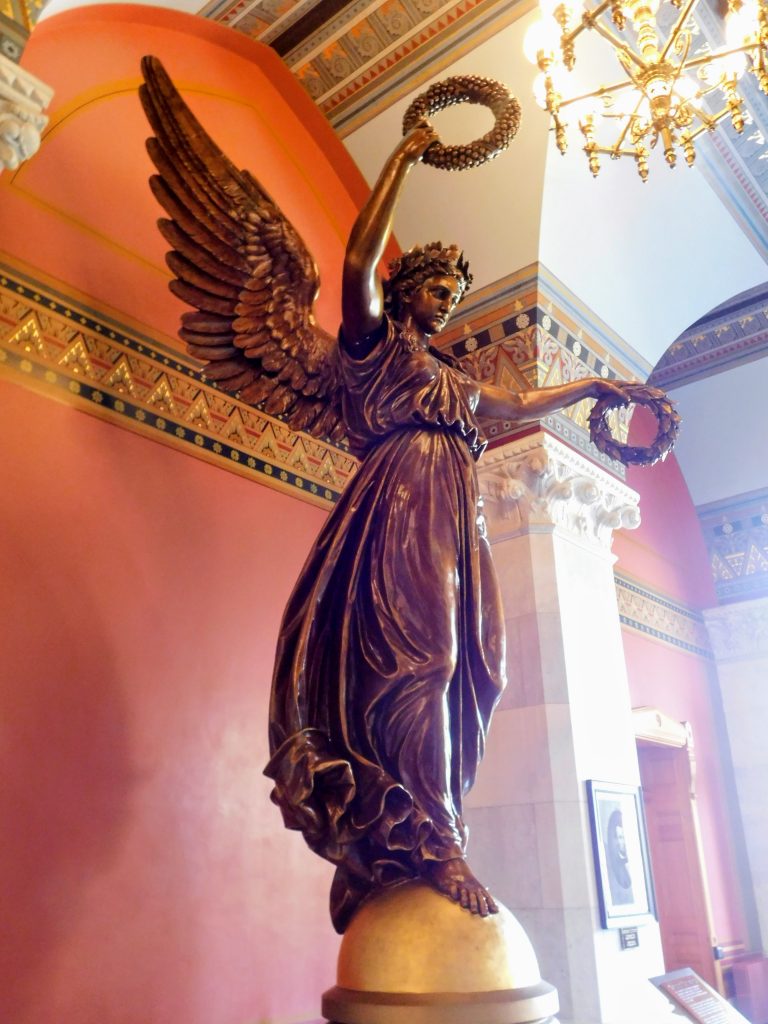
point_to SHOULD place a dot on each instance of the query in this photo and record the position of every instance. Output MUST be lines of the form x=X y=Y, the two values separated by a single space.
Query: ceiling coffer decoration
x=671 y=92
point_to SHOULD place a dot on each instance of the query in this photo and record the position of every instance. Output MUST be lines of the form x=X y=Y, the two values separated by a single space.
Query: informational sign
x=697 y=999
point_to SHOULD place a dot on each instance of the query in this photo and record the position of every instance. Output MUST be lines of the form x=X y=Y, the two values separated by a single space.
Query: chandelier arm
x=707 y=58
x=692 y=136
x=614 y=151
x=588 y=20
x=708 y=121
x=603 y=90
x=619 y=44
x=681 y=66
x=678 y=27
x=630 y=118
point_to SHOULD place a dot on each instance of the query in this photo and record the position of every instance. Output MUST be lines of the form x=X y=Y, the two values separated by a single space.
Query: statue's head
x=408 y=273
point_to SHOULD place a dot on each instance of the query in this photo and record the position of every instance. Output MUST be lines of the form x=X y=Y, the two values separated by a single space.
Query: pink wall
x=667 y=551
x=668 y=555
x=147 y=877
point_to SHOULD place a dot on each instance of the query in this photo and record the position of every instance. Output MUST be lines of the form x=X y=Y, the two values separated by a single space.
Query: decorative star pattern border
x=55 y=345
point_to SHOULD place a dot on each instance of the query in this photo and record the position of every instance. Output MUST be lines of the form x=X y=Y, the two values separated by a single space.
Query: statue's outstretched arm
x=362 y=298
x=498 y=403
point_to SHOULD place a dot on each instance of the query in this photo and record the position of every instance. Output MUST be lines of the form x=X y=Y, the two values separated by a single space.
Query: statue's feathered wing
x=243 y=267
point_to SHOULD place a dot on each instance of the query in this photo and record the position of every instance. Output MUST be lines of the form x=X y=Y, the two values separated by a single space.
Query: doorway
x=668 y=775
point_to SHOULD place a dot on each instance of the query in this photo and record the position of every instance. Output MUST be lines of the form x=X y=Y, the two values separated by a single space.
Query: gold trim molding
x=54 y=345
x=661 y=618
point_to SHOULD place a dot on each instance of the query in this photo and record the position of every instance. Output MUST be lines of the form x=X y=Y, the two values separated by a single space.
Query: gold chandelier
x=670 y=94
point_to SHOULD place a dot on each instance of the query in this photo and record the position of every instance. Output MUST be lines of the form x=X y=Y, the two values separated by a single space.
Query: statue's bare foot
x=454 y=879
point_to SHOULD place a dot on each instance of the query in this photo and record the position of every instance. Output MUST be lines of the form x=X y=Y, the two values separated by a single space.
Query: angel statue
x=390 y=657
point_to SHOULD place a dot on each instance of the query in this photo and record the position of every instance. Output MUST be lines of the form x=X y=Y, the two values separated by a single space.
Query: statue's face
x=431 y=305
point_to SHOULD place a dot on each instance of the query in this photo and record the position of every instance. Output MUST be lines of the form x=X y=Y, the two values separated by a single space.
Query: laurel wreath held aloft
x=662 y=408
x=466 y=89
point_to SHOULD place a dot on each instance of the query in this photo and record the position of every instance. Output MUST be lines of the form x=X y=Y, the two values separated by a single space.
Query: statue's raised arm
x=362 y=300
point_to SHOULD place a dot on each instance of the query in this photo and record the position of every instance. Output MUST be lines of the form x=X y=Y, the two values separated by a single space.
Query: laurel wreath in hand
x=662 y=408
x=466 y=89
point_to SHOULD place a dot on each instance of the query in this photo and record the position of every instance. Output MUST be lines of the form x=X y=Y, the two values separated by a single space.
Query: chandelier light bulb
x=741 y=27
x=541 y=42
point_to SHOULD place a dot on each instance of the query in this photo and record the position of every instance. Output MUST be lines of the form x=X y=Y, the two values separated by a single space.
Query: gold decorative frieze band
x=660 y=617
x=736 y=534
x=63 y=349
x=529 y=331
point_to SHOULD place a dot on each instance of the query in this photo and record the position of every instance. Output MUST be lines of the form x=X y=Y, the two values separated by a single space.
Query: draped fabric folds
x=390 y=656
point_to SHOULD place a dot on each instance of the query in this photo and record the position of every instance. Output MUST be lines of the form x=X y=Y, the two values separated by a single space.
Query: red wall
x=147 y=878
x=667 y=554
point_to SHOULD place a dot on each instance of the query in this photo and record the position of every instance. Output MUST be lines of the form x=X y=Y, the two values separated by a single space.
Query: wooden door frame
x=654 y=728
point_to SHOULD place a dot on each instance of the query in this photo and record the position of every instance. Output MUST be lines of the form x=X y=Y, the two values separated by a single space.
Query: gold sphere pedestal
x=412 y=956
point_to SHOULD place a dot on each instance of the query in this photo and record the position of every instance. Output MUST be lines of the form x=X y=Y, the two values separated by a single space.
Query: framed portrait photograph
x=620 y=845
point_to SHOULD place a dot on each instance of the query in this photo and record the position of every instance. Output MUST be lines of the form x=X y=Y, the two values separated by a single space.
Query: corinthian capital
x=23 y=98
x=537 y=483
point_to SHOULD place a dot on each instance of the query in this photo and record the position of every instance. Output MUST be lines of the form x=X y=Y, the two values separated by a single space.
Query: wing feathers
x=199 y=299
x=206 y=322
x=201 y=338
x=196 y=200
x=235 y=271
x=188 y=272
x=242 y=267
x=211 y=352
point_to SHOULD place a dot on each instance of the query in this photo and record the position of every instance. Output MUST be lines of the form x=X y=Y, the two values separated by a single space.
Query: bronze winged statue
x=390 y=657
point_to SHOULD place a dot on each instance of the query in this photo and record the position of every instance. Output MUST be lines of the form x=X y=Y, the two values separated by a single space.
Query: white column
x=738 y=634
x=23 y=98
x=565 y=718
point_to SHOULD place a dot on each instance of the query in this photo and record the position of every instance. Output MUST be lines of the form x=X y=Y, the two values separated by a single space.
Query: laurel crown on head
x=410 y=270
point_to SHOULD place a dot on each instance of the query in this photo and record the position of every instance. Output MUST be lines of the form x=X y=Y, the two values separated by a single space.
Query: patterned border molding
x=259 y=19
x=369 y=52
x=13 y=32
x=516 y=335
x=660 y=617
x=735 y=164
x=735 y=332
x=739 y=632
x=52 y=344
x=736 y=534
x=537 y=483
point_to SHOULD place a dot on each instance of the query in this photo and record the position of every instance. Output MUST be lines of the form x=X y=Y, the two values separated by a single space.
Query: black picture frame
x=620 y=848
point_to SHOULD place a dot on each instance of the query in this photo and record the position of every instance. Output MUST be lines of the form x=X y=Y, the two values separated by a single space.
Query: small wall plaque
x=628 y=937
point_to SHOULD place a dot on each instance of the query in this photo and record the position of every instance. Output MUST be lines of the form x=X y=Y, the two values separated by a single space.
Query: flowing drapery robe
x=391 y=652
